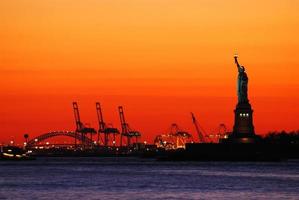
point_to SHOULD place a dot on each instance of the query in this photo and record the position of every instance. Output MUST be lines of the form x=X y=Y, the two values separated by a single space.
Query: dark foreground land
x=274 y=147
x=193 y=152
x=235 y=152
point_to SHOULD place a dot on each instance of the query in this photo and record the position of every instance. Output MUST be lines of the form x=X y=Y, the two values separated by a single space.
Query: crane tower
x=125 y=129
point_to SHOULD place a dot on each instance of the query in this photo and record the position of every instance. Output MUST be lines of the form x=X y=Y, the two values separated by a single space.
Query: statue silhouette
x=242 y=83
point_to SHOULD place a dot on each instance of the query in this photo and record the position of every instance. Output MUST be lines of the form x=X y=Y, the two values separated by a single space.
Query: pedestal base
x=243 y=128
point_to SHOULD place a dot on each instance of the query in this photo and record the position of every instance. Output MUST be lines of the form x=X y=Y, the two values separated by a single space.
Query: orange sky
x=160 y=59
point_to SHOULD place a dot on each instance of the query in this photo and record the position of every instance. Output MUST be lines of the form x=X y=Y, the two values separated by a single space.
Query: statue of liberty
x=243 y=126
x=242 y=82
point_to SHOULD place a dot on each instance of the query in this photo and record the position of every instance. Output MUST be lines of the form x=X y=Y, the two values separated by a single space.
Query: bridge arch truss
x=79 y=136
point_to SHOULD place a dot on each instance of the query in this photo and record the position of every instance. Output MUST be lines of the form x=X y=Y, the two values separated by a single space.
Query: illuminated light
x=8 y=154
x=240 y=114
x=11 y=142
x=113 y=142
x=95 y=142
x=245 y=139
x=25 y=143
x=9 y=150
x=144 y=142
x=47 y=143
x=35 y=140
x=247 y=114
x=29 y=151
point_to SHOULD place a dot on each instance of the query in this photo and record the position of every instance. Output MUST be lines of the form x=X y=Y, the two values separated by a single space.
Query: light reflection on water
x=132 y=178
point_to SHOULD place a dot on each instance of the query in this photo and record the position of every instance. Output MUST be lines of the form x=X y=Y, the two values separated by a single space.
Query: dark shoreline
x=193 y=152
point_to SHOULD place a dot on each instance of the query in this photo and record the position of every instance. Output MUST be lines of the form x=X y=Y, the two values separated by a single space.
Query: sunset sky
x=160 y=59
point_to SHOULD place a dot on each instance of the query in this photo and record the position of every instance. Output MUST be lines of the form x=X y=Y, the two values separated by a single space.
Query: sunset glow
x=159 y=59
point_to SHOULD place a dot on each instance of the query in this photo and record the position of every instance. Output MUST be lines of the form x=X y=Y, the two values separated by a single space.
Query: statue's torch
x=236 y=58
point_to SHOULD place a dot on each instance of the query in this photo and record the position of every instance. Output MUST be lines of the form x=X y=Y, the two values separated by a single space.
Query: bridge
x=78 y=136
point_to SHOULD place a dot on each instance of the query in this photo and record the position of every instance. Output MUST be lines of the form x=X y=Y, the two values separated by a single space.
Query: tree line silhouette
x=282 y=137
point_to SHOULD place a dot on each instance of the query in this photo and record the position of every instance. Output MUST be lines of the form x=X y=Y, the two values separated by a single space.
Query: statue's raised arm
x=236 y=61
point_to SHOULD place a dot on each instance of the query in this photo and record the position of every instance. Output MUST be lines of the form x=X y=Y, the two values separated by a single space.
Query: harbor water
x=136 y=178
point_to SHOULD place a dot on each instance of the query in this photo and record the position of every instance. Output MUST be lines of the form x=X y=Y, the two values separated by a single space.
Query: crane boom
x=124 y=125
x=79 y=124
x=199 y=133
x=102 y=124
x=80 y=128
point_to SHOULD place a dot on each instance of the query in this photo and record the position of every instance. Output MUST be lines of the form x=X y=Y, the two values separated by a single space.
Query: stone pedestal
x=243 y=127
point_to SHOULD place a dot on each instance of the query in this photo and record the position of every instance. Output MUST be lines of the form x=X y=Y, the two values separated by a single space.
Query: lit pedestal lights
x=243 y=127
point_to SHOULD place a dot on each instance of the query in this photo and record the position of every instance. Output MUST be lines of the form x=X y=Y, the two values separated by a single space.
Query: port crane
x=103 y=128
x=181 y=137
x=200 y=131
x=125 y=129
x=80 y=128
x=175 y=138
